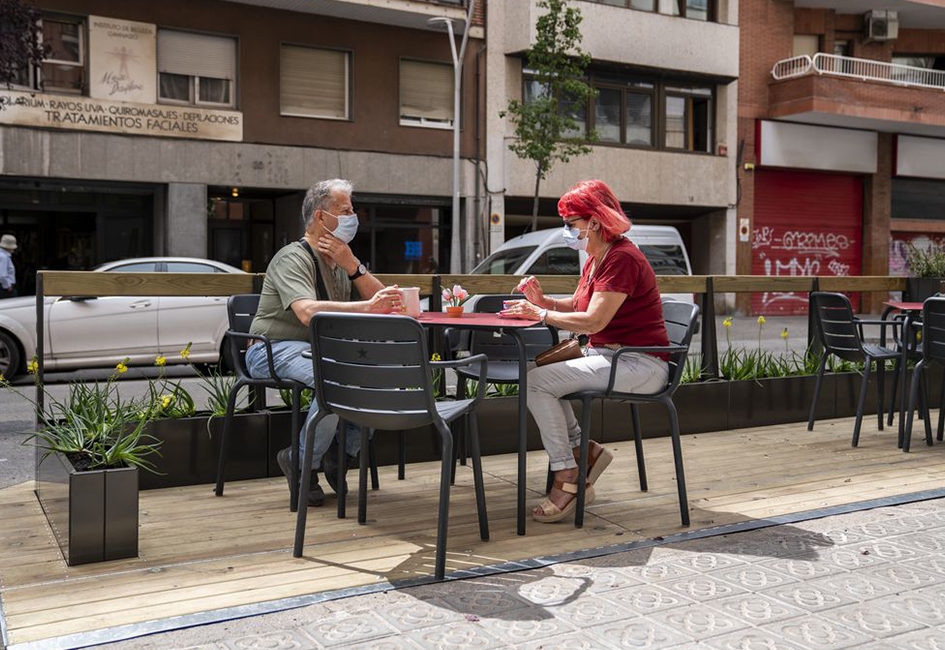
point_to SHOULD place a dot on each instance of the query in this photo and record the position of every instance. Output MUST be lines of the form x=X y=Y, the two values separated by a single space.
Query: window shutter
x=426 y=90
x=314 y=82
x=196 y=55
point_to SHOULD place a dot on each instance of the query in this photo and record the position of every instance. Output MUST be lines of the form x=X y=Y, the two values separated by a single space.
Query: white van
x=544 y=252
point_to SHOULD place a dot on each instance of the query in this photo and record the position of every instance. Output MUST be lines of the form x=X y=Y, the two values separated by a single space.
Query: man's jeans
x=289 y=363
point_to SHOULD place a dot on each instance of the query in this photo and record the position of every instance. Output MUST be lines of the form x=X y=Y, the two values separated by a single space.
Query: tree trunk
x=535 y=202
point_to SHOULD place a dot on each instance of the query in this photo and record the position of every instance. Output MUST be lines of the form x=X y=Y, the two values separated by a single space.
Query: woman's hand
x=531 y=287
x=386 y=301
x=521 y=309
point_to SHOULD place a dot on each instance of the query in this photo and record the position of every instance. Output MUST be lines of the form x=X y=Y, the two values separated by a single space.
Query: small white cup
x=411 y=300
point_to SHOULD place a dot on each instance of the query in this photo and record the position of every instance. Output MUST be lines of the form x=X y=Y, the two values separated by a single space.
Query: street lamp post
x=457 y=255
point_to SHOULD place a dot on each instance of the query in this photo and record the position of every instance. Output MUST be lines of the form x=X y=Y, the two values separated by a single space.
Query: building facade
x=841 y=125
x=182 y=128
x=665 y=113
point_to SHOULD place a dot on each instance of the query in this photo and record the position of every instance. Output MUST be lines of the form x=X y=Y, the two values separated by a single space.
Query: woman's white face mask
x=573 y=239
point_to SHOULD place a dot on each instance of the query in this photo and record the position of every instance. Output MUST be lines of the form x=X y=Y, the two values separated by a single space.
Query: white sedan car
x=84 y=332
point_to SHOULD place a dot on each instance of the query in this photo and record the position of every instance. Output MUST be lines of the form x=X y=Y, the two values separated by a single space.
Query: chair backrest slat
x=240 y=312
x=373 y=370
x=680 y=319
x=836 y=325
x=933 y=330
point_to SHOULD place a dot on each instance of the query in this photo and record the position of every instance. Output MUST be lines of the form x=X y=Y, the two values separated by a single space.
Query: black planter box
x=190 y=452
x=918 y=289
x=779 y=400
x=93 y=514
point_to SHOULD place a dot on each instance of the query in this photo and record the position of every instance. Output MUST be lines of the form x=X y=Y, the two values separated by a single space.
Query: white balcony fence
x=862 y=69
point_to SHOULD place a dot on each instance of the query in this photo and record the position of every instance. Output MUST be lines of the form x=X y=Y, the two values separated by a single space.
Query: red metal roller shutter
x=805 y=224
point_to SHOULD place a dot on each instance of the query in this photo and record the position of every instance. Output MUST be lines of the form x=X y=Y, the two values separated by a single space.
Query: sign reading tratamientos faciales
x=86 y=114
x=122 y=60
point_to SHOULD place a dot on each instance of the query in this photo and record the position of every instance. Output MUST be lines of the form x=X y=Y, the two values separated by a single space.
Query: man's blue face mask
x=347 y=226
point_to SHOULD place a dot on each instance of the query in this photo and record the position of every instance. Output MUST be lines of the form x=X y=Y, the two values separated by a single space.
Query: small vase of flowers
x=453 y=300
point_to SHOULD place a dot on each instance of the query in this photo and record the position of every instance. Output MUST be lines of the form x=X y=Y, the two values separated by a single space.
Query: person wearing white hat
x=7 y=272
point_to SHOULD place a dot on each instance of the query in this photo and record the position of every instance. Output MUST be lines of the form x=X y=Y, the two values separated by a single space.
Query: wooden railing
x=90 y=283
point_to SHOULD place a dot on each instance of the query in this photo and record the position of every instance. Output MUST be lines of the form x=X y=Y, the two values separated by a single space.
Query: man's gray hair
x=319 y=196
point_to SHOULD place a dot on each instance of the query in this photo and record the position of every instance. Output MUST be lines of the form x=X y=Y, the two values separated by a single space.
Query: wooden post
x=710 y=342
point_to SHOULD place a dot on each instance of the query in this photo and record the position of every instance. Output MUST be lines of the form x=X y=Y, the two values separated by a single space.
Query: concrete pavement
x=870 y=579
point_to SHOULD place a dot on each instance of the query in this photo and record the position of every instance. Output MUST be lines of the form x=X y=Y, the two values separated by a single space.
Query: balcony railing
x=862 y=69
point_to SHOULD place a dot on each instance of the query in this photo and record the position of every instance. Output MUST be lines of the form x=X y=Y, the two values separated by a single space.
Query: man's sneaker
x=330 y=468
x=316 y=496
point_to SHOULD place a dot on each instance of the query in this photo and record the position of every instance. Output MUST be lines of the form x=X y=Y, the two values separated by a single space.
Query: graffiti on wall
x=790 y=252
x=899 y=243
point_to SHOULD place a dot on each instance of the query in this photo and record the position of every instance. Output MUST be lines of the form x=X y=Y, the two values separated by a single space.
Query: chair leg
x=342 y=461
x=638 y=445
x=941 y=407
x=306 y=480
x=880 y=388
x=678 y=461
x=401 y=455
x=225 y=438
x=446 y=455
x=861 y=404
x=372 y=450
x=913 y=398
x=582 y=462
x=924 y=408
x=817 y=384
x=294 y=454
x=366 y=440
x=473 y=431
x=893 y=394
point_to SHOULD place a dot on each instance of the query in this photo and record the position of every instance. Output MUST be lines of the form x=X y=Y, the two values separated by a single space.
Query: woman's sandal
x=599 y=457
x=552 y=513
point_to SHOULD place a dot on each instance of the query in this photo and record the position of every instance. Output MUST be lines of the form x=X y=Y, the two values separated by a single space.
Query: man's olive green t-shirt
x=290 y=277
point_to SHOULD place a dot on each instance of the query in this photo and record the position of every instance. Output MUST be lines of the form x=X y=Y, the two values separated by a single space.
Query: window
x=140 y=267
x=627 y=111
x=426 y=94
x=688 y=118
x=314 y=82
x=196 y=69
x=191 y=267
x=557 y=261
x=504 y=262
x=924 y=75
x=63 y=70
x=694 y=9
x=666 y=259
x=644 y=5
x=808 y=44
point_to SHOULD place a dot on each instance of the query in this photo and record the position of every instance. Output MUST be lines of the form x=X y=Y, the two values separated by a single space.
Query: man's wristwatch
x=358 y=272
x=541 y=315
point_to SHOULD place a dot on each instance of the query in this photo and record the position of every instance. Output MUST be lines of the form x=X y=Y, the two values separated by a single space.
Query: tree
x=21 y=45
x=545 y=126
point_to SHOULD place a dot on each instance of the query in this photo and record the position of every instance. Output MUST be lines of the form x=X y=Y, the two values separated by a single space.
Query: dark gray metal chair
x=375 y=371
x=681 y=319
x=933 y=352
x=240 y=310
x=841 y=335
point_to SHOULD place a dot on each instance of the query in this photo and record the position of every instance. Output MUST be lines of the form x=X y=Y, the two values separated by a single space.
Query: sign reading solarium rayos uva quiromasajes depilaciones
x=122 y=93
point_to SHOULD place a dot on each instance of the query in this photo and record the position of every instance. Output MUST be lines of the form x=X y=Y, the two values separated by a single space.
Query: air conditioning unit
x=881 y=25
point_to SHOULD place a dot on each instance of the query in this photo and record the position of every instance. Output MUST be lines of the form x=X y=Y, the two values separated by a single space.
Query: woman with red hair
x=616 y=304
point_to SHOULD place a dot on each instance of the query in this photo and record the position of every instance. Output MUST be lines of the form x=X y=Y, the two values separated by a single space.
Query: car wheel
x=9 y=356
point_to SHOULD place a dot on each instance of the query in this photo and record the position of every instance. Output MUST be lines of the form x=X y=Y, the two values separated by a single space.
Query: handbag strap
x=319 y=282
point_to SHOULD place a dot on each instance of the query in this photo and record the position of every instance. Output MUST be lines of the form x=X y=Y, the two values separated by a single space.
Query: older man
x=316 y=273
x=7 y=272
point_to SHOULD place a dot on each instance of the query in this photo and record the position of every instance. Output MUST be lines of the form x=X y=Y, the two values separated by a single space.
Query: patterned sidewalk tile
x=755 y=609
x=341 y=630
x=639 y=633
x=753 y=577
x=468 y=635
x=817 y=633
x=418 y=614
x=280 y=640
x=874 y=618
x=750 y=639
x=698 y=621
x=528 y=625
x=646 y=599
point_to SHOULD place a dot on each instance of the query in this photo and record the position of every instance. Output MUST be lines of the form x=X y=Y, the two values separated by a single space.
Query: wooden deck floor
x=199 y=553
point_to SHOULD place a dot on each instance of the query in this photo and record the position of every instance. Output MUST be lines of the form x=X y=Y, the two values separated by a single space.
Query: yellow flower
x=3 y=380
x=436 y=357
x=121 y=367
x=186 y=351
x=727 y=322
x=784 y=333
x=160 y=360
x=761 y=320
x=33 y=366
x=165 y=401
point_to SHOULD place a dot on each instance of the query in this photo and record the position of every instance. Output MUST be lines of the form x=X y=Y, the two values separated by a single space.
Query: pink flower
x=459 y=293
x=447 y=296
